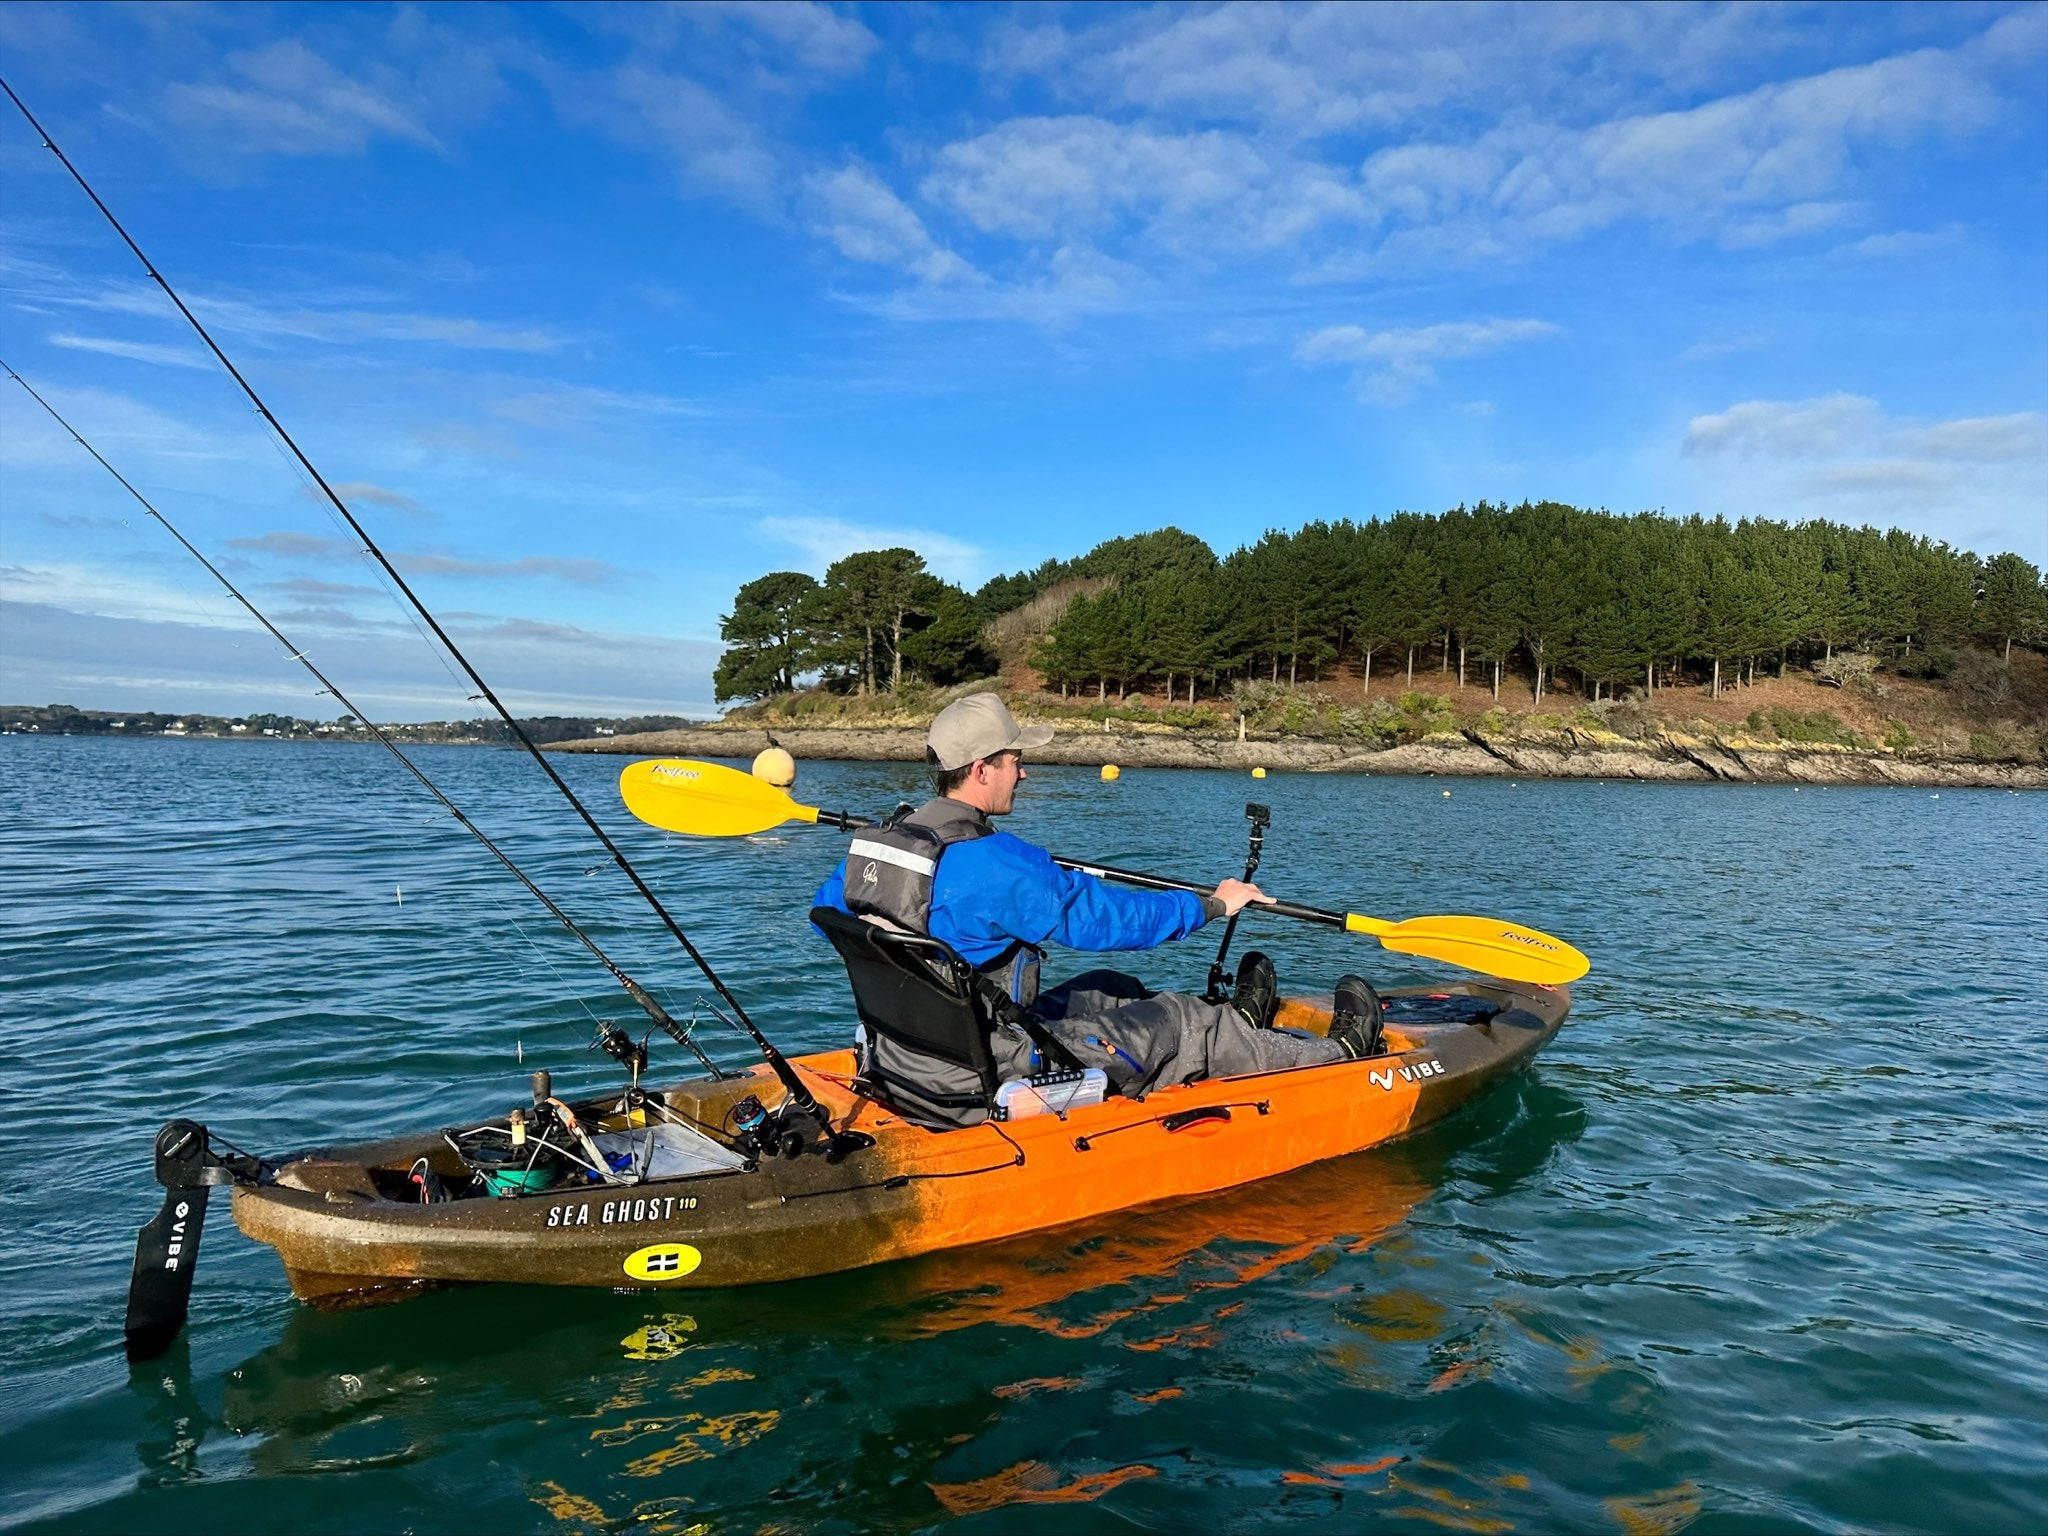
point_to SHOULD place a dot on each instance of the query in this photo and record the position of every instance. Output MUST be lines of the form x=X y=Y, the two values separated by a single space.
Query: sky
x=594 y=312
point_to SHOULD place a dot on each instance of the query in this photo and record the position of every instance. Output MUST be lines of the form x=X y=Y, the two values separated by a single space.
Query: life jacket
x=889 y=874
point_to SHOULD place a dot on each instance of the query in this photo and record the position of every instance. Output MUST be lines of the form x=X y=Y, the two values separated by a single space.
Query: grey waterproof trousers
x=1145 y=1040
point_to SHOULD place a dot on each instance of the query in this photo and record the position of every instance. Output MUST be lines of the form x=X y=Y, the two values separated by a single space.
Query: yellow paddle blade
x=706 y=799
x=1482 y=944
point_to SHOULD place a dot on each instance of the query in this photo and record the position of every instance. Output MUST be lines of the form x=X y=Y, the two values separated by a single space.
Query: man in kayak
x=997 y=900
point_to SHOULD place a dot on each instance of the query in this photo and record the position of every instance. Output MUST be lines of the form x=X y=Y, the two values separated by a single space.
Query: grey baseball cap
x=979 y=726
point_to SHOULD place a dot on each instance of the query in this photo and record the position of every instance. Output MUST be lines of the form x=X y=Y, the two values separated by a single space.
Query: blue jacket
x=992 y=891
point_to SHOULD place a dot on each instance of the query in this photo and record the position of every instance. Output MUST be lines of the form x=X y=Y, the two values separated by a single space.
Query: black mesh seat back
x=912 y=990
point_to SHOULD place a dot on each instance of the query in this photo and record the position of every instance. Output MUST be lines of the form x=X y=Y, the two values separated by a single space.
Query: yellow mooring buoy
x=775 y=766
x=1111 y=772
x=1258 y=773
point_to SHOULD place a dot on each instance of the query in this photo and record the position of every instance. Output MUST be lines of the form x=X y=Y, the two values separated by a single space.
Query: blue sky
x=595 y=312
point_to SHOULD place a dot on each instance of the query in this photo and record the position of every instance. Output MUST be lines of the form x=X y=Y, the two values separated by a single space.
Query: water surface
x=1758 y=1245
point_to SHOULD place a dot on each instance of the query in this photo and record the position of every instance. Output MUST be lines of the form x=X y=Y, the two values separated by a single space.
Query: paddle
x=710 y=800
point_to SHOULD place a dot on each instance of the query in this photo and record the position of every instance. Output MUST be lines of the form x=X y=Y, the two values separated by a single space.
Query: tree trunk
x=1461 y=662
x=1411 y=666
x=2008 y=650
x=1102 y=688
x=1240 y=727
x=1717 y=678
x=1293 y=668
x=1276 y=666
x=1169 y=687
x=1496 y=680
x=1447 y=653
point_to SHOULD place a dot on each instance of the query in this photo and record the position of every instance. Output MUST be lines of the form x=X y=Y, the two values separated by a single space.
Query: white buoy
x=775 y=766
x=1447 y=794
x=401 y=894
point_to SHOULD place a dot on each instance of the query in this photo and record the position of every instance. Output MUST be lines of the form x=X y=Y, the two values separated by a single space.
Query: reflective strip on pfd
x=902 y=858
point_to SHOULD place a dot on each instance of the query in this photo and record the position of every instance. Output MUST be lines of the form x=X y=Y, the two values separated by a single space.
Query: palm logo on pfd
x=868 y=875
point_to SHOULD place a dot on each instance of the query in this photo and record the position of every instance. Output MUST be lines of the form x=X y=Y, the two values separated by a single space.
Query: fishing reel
x=788 y=1133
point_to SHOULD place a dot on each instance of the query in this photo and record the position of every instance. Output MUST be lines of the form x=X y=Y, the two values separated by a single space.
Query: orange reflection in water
x=1165 y=1254
x=1032 y=1482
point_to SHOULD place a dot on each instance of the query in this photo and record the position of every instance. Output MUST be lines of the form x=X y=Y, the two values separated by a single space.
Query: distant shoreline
x=1673 y=757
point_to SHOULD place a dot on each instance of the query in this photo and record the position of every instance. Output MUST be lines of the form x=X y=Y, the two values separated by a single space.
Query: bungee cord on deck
x=787 y=1075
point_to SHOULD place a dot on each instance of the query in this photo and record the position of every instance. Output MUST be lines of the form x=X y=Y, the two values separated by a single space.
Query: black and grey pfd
x=889 y=874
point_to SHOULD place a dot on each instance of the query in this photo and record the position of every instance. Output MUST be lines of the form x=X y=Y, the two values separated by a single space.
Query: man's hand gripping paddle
x=710 y=800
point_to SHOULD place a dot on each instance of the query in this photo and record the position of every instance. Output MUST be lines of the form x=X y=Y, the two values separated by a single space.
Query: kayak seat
x=914 y=993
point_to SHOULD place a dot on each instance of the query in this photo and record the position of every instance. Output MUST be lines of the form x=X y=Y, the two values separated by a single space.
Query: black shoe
x=1355 y=1023
x=1257 y=994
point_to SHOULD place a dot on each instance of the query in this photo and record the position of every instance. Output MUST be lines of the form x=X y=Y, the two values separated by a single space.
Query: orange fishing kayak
x=683 y=1202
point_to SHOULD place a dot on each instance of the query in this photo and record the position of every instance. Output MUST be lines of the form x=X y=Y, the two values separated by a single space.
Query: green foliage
x=1567 y=598
x=1933 y=661
x=1896 y=737
x=1822 y=726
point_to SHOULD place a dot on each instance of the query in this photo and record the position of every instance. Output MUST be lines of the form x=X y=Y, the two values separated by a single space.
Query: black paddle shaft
x=1138 y=878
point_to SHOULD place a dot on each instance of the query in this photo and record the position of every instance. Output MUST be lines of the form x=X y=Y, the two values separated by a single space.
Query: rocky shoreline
x=1569 y=754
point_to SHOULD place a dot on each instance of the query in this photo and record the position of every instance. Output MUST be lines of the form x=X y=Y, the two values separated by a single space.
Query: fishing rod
x=634 y=990
x=799 y=1094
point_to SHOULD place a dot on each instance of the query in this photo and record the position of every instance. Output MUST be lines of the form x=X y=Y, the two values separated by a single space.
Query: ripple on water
x=1757 y=1244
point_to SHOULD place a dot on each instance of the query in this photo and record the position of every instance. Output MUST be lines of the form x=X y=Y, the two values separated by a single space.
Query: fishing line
x=639 y=994
x=312 y=491
x=798 y=1093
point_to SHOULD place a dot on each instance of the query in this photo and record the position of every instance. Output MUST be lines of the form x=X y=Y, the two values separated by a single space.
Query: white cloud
x=868 y=222
x=1797 y=429
x=711 y=146
x=826 y=539
x=269 y=322
x=1393 y=364
x=1053 y=179
x=1978 y=482
x=134 y=351
x=575 y=403
x=117 y=425
x=149 y=657
x=293 y=102
x=1751 y=169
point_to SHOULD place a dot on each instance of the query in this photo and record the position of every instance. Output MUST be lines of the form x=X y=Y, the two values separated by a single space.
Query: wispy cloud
x=566 y=403
x=134 y=351
x=826 y=539
x=293 y=102
x=1392 y=364
x=352 y=491
x=580 y=572
x=868 y=222
x=1974 y=481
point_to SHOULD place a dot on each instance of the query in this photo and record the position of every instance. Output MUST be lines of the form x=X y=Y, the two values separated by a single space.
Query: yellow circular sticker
x=663 y=1261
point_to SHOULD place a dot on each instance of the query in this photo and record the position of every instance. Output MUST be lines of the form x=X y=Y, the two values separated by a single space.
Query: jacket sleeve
x=832 y=893
x=1000 y=888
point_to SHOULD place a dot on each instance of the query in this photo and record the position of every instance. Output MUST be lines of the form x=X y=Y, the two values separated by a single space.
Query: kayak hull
x=346 y=1234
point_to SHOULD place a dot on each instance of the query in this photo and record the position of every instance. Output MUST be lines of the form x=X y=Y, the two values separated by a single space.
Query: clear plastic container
x=1050 y=1093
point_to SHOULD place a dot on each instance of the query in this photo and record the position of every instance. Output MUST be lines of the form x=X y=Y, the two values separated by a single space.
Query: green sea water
x=1757 y=1245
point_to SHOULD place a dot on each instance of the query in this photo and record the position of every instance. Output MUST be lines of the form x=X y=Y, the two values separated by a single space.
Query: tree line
x=1548 y=591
